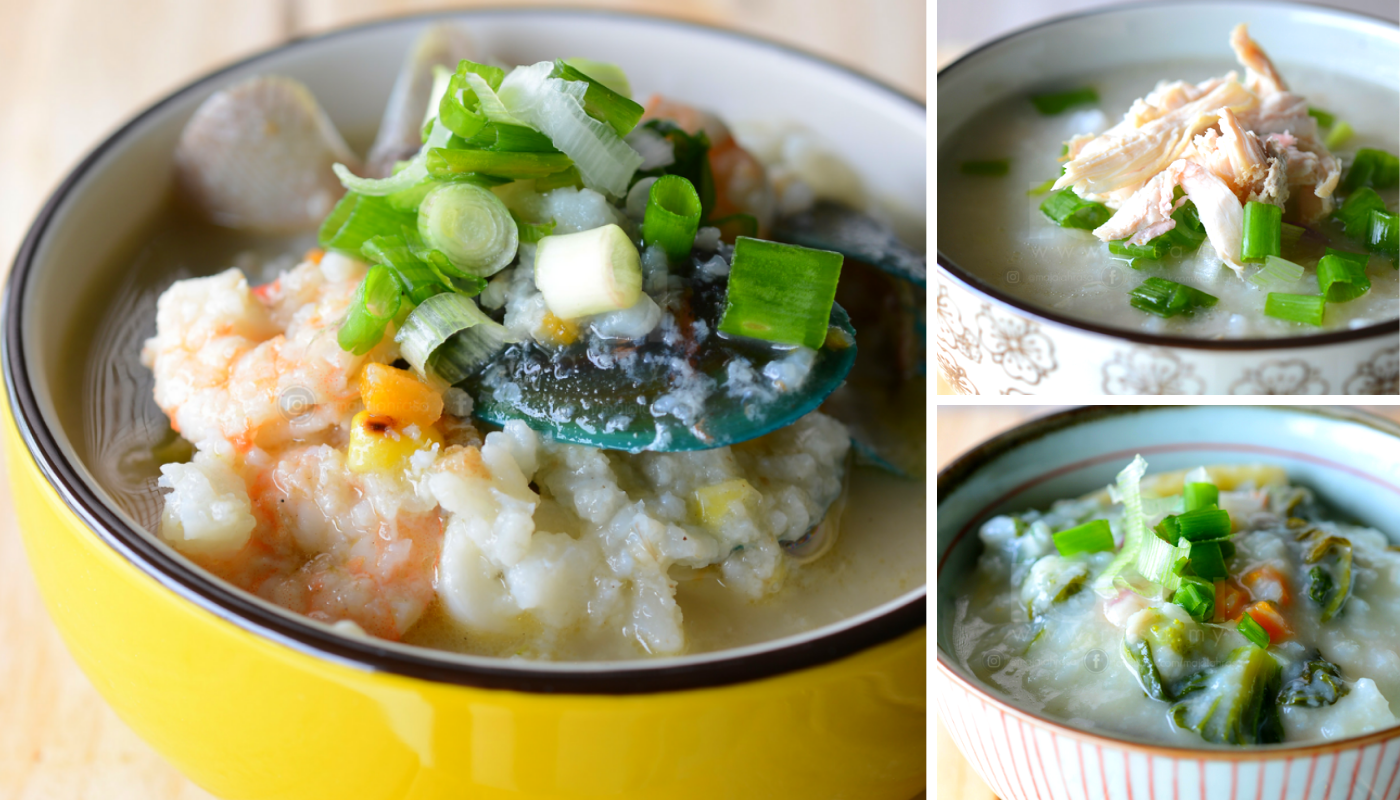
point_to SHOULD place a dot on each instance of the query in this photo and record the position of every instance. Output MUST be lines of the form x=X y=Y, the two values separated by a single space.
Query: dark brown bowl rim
x=236 y=607
x=972 y=281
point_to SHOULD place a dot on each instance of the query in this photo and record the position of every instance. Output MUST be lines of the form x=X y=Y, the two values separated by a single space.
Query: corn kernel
x=713 y=505
x=557 y=330
x=377 y=445
x=400 y=396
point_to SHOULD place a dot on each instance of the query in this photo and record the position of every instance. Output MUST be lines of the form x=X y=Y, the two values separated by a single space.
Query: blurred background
x=71 y=71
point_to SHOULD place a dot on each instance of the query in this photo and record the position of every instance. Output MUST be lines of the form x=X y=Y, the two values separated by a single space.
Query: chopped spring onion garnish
x=1197 y=596
x=1156 y=561
x=1342 y=276
x=1204 y=523
x=1168 y=298
x=1168 y=530
x=1091 y=537
x=1208 y=562
x=1263 y=231
x=1042 y=188
x=519 y=139
x=569 y=177
x=419 y=279
x=356 y=219
x=988 y=168
x=1355 y=213
x=1134 y=528
x=1323 y=118
x=1153 y=249
x=1295 y=307
x=610 y=75
x=1341 y=134
x=531 y=232
x=454 y=112
x=1069 y=210
x=471 y=226
x=449 y=338
x=489 y=103
x=672 y=217
x=1251 y=629
x=600 y=101
x=1189 y=233
x=1375 y=168
x=1276 y=272
x=1384 y=236
x=444 y=163
x=735 y=225
x=1200 y=495
x=1291 y=234
x=1058 y=102
x=408 y=177
x=780 y=292
x=375 y=303
x=590 y=272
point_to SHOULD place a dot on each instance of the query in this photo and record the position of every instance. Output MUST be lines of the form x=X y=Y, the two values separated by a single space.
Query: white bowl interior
x=882 y=134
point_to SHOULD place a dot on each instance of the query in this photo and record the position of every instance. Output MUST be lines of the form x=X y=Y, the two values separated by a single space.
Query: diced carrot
x=399 y=395
x=1267 y=583
x=1266 y=613
x=1230 y=600
x=315 y=254
x=558 y=331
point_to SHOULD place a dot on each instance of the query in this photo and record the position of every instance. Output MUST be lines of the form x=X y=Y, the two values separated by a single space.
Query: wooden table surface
x=71 y=71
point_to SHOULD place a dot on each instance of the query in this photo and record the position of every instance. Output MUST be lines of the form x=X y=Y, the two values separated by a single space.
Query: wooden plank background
x=71 y=71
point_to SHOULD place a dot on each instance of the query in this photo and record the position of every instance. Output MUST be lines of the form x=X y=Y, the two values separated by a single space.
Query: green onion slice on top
x=531 y=232
x=471 y=226
x=1355 y=212
x=1168 y=298
x=1384 y=235
x=1295 y=307
x=1342 y=276
x=1324 y=119
x=374 y=304
x=589 y=272
x=1263 y=231
x=993 y=168
x=601 y=102
x=358 y=218
x=780 y=292
x=1208 y=562
x=1276 y=272
x=419 y=279
x=1053 y=103
x=444 y=163
x=1197 y=596
x=1375 y=168
x=1200 y=495
x=1204 y=523
x=1340 y=134
x=449 y=338
x=1069 y=210
x=672 y=217
x=1091 y=537
x=1253 y=631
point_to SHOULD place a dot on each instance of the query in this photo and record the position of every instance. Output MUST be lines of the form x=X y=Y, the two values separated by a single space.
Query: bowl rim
x=886 y=623
x=961 y=468
x=972 y=282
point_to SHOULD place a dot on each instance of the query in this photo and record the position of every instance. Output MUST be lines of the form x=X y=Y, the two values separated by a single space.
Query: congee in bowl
x=540 y=387
x=1201 y=197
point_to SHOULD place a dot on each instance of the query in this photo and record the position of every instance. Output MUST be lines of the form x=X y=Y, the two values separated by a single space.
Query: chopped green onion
x=1384 y=235
x=1197 y=596
x=1168 y=530
x=1375 y=168
x=444 y=163
x=1295 y=307
x=1341 y=278
x=374 y=304
x=471 y=226
x=489 y=103
x=1263 y=231
x=780 y=292
x=590 y=272
x=1227 y=548
x=1200 y=495
x=1323 y=118
x=418 y=279
x=1069 y=210
x=1189 y=233
x=1204 y=523
x=1058 y=102
x=987 y=168
x=519 y=139
x=1153 y=249
x=1156 y=560
x=1276 y=272
x=672 y=216
x=1042 y=188
x=601 y=102
x=610 y=75
x=1168 y=298
x=735 y=225
x=1208 y=562
x=409 y=199
x=531 y=232
x=454 y=114
x=569 y=177
x=356 y=219
x=1340 y=135
x=1251 y=629
x=1291 y=234
x=448 y=337
x=1355 y=212
x=1129 y=479
x=1091 y=537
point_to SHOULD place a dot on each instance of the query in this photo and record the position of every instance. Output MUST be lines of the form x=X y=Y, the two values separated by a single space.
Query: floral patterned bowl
x=1350 y=459
x=990 y=342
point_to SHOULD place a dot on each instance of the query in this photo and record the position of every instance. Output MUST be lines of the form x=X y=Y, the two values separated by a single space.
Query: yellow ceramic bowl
x=253 y=702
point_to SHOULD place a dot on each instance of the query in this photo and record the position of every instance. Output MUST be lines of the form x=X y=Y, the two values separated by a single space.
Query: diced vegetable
x=1276 y=272
x=1168 y=298
x=610 y=75
x=471 y=226
x=1134 y=529
x=780 y=292
x=1355 y=212
x=531 y=232
x=672 y=217
x=374 y=304
x=1295 y=307
x=418 y=279
x=1091 y=537
x=1324 y=119
x=600 y=101
x=1053 y=103
x=378 y=444
x=447 y=164
x=1384 y=235
x=1069 y=210
x=397 y=394
x=1207 y=561
x=589 y=272
x=447 y=337
x=1291 y=234
x=1253 y=631
x=1235 y=702
x=1189 y=232
x=1204 y=523
x=1375 y=168
x=519 y=139
x=1320 y=684
x=1267 y=616
x=1319 y=545
x=1263 y=231
x=1341 y=134
x=691 y=154
x=1342 y=276
x=358 y=218
x=1199 y=495
x=1197 y=596
x=995 y=168
x=1154 y=249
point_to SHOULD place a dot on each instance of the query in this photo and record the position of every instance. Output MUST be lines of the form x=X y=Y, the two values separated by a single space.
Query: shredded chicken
x=1225 y=143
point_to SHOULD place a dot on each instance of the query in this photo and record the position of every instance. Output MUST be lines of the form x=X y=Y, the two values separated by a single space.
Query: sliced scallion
x=1323 y=118
x=1340 y=134
x=1207 y=561
x=780 y=292
x=419 y=279
x=1204 y=523
x=1199 y=495
x=444 y=163
x=1091 y=537
x=1342 y=277
x=1251 y=629
x=1156 y=560
x=995 y=168
x=1069 y=210
x=600 y=101
x=531 y=232
x=1189 y=233
x=1042 y=188
x=1295 y=307
x=1384 y=235
x=1276 y=272
x=1153 y=249
x=519 y=139
x=373 y=305
x=558 y=180
x=471 y=226
x=449 y=338
x=1197 y=596
x=590 y=272
x=1355 y=212
x=1168 y=530
x=672 y=216
x=1168 y=298
x=358 y=218
x=1058 y=102
x=1375 y=168
x=1263 y=231
x=610 y=75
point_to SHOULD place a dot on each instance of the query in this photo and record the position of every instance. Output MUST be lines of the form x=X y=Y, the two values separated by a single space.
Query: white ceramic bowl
x=1351 y=460
x=990 y=342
